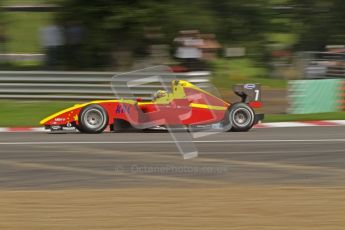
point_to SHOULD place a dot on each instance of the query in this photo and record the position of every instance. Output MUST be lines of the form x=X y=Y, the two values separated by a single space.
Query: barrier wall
x=43 y=85
x=315 y=96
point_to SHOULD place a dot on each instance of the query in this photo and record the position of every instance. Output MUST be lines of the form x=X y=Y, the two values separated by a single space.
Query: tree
x=120 y=25
x=319 y=23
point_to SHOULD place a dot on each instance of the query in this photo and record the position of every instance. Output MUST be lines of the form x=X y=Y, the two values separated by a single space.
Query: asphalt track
x=312 y=156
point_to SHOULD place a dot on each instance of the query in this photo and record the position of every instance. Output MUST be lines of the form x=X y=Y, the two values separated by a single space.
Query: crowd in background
x=62 y=42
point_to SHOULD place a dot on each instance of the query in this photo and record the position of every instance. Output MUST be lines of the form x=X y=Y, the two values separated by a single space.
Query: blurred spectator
x=52 y=41
x=74 y=39
x=188 y=43
x=209 y=47
x=194 y=49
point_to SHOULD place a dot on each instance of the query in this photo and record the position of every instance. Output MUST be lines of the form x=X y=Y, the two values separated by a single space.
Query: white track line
x=286 y=124
x=166 y=142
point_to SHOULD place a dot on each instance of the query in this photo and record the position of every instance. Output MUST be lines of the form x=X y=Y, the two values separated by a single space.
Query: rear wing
x=249 y=93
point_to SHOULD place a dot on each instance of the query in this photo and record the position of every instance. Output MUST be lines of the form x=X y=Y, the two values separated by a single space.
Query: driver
x=160 y=94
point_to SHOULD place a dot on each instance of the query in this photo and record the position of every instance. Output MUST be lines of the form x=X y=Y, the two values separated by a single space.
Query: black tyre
x=240 y=117
x=92 y=119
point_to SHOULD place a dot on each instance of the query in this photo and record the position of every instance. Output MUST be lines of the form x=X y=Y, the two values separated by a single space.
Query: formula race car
x=186 y=105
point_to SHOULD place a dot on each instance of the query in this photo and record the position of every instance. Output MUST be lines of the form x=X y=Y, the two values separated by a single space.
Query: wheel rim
x=94 y=119
x=242 y=117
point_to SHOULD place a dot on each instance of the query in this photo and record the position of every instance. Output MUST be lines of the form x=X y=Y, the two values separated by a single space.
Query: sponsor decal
x=122 y=108
x=59 y=119
x=249 y=86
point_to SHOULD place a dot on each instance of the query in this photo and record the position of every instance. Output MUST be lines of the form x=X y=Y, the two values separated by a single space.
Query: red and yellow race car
x=185 y=105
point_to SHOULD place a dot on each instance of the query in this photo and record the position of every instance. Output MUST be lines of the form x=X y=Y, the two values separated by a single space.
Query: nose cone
x=63 y=117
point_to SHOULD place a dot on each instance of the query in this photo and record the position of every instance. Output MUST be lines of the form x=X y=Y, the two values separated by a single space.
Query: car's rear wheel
x=93 y=119
x=240 y=117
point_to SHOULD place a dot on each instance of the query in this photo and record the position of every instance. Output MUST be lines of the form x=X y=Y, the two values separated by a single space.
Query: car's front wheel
x=93 y=119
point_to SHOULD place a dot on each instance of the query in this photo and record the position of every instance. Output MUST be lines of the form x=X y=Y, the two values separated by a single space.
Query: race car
x=185 y=105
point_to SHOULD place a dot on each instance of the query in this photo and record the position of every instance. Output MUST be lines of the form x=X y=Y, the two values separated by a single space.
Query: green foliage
x=227 y=72
x=120 y=25
x=22 y=30
x=319 y=23
x=25 y=2
x=115 y=25
x=240 y=22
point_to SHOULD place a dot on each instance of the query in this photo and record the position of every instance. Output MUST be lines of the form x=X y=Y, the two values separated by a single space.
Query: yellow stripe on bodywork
x=204 y=106
x=77 y=106
x=146 y=103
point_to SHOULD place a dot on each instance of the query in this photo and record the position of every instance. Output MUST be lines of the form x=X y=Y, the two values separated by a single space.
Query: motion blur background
x=283 y=44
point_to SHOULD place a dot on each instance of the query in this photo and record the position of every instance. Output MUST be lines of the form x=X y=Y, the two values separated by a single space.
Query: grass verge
x=28 y=113
x=305 y=117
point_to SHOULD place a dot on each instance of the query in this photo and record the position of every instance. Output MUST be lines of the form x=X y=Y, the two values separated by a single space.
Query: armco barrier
x=314 y=96
x=42 y=85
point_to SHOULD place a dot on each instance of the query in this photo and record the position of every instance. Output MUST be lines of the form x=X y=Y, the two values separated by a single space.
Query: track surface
x=276 y=156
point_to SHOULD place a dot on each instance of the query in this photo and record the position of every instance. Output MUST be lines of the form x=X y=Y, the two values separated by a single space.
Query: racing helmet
x=159 y=94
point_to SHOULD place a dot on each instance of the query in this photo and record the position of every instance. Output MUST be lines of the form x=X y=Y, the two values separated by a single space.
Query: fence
x=317 y=65
x=42 y=85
